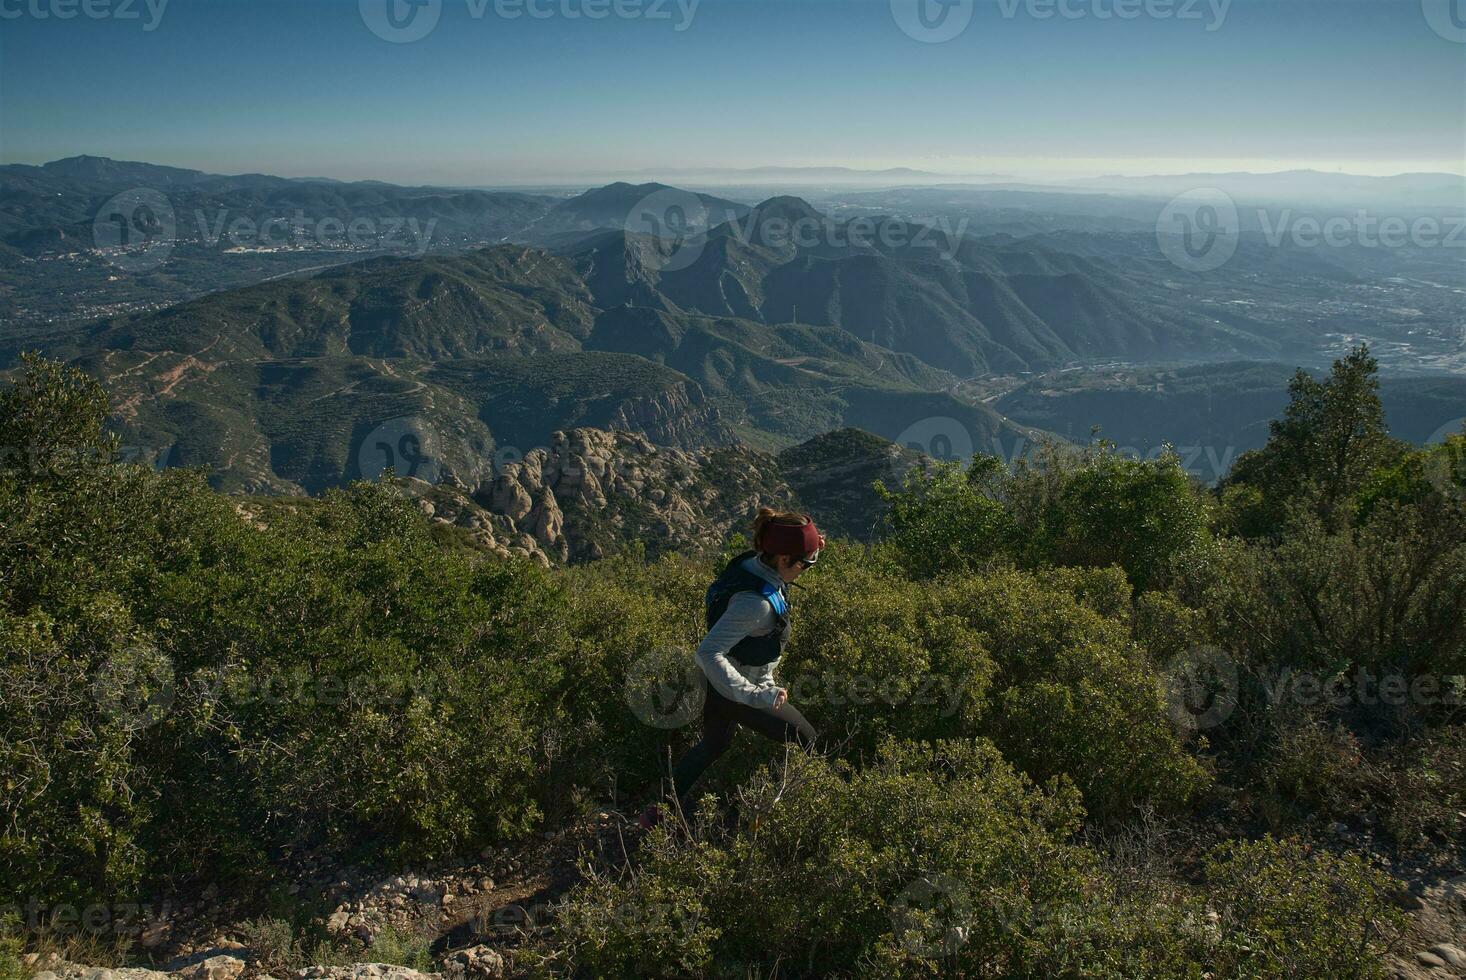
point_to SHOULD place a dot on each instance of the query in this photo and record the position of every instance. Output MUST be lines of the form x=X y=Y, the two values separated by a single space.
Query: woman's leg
x=785 y=724
x=720 y=716
x=717 y=735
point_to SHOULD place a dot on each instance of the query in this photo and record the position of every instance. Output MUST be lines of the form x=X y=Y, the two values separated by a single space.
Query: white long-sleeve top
x=748 y=614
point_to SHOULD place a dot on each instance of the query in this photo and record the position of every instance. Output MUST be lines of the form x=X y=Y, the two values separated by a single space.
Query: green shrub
x=12 y=946
x=1288 y=909
x=186 y=689
x=933 y=857
x=1317 y=769
x=402 y=947
x=635 y=627
x=1104 y=508
x=1422 y=789
x=1090 y=507
x=945 y=520
x=872 y=655
x=1074 y=696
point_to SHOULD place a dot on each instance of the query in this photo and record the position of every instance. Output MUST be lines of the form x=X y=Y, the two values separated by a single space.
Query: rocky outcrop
x=594 y=492
x=834 y=474
x=678 y=416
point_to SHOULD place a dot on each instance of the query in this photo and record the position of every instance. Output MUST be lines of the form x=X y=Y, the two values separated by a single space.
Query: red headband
x=790 y=539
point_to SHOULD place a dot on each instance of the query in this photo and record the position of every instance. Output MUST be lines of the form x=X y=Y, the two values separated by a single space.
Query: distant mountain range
x=278 y=385
x=693 y=319
x=1423 y=191
x=834 y=176
x=959 y=304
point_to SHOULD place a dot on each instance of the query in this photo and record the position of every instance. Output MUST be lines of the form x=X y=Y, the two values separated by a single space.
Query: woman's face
x=790 y=568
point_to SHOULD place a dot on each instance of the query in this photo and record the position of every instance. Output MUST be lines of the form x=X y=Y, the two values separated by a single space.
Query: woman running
x=748 y=628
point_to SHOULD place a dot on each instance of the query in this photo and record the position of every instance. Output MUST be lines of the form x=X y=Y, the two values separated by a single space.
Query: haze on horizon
x=312 y=88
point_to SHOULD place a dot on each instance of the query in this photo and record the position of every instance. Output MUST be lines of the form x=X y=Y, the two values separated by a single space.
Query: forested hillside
x=1088 y=719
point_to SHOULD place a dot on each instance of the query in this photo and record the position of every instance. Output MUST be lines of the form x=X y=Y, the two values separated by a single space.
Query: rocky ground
x=476 y=915
x=472 y=915
x=1434 y=945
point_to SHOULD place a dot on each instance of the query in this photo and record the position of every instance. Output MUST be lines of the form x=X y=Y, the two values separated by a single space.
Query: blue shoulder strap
x=767 y=589
x=771 y=592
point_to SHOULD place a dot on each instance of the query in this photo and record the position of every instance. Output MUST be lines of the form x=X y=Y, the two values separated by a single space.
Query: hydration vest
x=751 y=650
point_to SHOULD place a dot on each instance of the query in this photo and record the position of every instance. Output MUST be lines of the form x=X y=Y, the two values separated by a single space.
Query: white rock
x=214 y=968
x=1453 y=955
x=361 y=971
x=476 y=963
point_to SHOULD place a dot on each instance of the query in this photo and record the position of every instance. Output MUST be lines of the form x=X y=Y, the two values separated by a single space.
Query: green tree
x=1331 y=437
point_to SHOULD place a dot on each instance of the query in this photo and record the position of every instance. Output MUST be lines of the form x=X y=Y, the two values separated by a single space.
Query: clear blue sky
x=303 y=87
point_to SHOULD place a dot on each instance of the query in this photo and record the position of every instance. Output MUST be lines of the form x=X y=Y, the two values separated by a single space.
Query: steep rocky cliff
x=595 y=492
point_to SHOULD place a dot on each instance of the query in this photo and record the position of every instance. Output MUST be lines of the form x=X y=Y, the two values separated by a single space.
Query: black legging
x=720 y=717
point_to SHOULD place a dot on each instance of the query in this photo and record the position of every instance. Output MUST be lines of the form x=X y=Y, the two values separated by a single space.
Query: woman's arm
x=747 y=612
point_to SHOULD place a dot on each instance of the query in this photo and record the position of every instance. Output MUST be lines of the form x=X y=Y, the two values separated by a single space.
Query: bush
x=872 y=656
x=631 y=687
x=1422 y=789
x=11 y=948
x=1315 y=768
x=933 y=858
x=185 y=689
x=1288 y=909
x=945 y=520
x=1088 y=508
x=1073 y=695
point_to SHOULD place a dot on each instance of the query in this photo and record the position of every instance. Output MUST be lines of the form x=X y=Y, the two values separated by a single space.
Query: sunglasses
x=809 y=562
